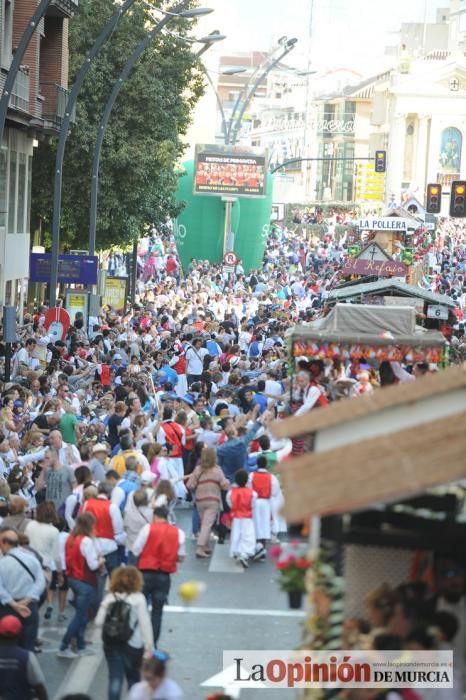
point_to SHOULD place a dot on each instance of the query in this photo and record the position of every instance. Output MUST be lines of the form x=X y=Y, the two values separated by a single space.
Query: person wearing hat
x=97 y=464
x=21 y=676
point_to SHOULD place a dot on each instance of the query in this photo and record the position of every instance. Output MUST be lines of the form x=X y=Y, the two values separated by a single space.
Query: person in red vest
x=173 y=436
x=82 y=563
x=108 y=523
x=243 y=535
x=266 y=486
x=178 y=363
x=159 y=546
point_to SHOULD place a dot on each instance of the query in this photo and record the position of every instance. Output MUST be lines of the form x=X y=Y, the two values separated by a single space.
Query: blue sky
x=346 y=32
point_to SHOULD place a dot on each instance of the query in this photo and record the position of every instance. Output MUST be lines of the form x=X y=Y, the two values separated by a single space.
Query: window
x=12 y=193
x=22 y=175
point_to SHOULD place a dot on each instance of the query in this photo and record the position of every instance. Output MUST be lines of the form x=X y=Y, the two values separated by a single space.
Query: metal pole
x=241 y=93
x=129 y=65
x=299 y=160
x=227 y=224
x=134 y=271
x=7 y=362
x=73 y=96
x=237 y=125
x=18 y=60
x=220 y=106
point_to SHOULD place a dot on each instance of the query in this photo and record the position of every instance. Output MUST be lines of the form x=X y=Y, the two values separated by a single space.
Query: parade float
x=370 y=333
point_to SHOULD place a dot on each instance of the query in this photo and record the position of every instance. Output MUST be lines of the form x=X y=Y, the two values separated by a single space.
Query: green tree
x=142 y=144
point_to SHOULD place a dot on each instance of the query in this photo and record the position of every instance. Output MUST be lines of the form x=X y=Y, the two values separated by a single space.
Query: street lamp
x=235 y=122
x=228 y=71
x=129 y=65
x=65 y=125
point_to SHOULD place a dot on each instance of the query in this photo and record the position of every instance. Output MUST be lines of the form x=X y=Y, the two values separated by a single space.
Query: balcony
x=20 y=93
x=63 y=8
x=55 y=99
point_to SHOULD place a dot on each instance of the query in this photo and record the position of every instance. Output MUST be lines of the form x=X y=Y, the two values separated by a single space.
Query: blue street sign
x=72 y=269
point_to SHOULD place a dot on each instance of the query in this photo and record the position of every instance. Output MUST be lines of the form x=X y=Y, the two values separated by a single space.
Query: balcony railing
x=64 y=8
x=20 y=93
x=55 y=100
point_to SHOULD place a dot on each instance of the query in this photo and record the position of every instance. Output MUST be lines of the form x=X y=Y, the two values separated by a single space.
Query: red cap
x=10 y=626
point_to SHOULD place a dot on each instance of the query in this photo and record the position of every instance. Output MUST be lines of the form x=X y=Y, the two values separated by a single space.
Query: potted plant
x=291 y=562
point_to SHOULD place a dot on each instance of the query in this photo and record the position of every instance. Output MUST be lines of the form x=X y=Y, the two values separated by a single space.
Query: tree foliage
x=142 y=143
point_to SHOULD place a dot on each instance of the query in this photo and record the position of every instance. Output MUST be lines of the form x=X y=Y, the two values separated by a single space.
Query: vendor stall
x=367 y=332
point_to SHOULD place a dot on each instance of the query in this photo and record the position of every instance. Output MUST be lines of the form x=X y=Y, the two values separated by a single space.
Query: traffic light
x=434 y=199
x=380 y=161
x=458 y=199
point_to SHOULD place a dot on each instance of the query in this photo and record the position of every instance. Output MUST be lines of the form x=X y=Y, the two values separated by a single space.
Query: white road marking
x=233 y=611
x=222 y=563
x=81 y=672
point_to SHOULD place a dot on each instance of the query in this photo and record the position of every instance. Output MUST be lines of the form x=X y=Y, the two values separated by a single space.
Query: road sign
x=72 y=269
x=230 y=258
x=435 y=311
x=228 y=269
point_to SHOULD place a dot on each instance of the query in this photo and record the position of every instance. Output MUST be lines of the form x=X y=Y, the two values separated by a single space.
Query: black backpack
x=117 y=629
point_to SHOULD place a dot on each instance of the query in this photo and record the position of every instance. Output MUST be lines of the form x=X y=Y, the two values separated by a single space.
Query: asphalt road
x=238 y=610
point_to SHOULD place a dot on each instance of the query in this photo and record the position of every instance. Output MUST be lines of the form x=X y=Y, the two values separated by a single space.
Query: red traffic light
x=458 y=199
x=434 y=199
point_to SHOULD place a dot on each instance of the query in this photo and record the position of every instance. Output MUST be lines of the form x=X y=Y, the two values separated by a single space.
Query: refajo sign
x=385 y=268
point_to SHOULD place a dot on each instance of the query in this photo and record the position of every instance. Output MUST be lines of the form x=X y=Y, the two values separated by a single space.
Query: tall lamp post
x=63 y=135
x=179 y=11
x=232 y=128
x=235 y=122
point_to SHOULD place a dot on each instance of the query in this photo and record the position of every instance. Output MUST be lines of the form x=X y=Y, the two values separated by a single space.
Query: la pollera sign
x=385 y=268
x=386 y=223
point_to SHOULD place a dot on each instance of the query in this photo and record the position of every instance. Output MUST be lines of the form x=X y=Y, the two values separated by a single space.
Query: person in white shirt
x=109 y=530
x=155 y=686
x=68 y=454
x=194 y=355
x=124 y=660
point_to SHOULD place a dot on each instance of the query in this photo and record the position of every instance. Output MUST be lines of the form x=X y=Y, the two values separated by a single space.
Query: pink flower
x=295 y=543
x=291 y=559
x=281 y=565
x=275 y=551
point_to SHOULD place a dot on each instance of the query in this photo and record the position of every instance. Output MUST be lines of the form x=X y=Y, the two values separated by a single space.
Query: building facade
x=35 y=113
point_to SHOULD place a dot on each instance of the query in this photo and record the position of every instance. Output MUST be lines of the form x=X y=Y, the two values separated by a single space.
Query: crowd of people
x=106 y=434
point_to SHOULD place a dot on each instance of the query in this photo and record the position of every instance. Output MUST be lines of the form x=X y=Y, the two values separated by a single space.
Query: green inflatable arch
x=200 y=226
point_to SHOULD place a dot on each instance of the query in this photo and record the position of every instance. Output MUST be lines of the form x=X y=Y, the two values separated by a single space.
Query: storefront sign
x=77 y=302
x=114 y=295
x=386 y=223
x=386 y=268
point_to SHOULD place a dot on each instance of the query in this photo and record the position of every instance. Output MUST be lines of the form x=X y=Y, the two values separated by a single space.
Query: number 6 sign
x=230 y=259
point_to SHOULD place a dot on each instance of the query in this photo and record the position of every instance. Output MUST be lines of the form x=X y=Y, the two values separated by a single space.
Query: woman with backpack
x=126 y=629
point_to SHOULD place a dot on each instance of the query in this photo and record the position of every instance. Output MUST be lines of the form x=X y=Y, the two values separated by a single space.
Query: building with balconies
x=35 y=113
